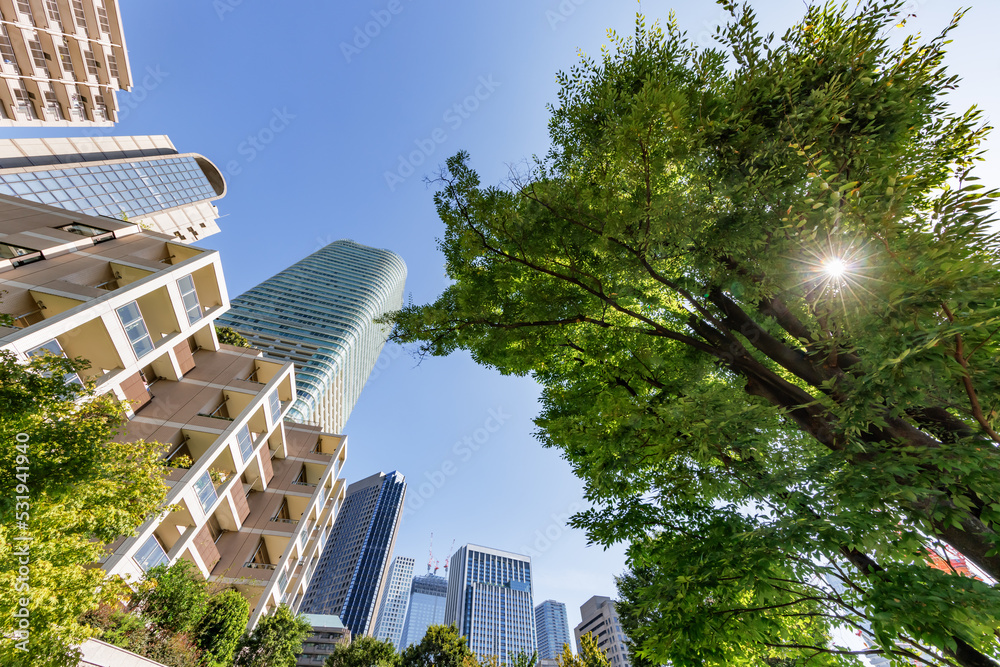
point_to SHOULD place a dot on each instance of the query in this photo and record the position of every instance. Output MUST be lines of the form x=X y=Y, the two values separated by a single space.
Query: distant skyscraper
x=601 y=619
x=62 y=63
x=392 y=609
x=319 y=313
x=140 y=179
x=428 y=595
x=354 y=567
x=551 y=629
x=489 y=599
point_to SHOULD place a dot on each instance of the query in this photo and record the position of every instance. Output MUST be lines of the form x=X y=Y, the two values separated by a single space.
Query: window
x=37 y=54
x=23 y=103
x=245 y=442
x=275 y=407
x=150 y=554
x=190 y=298
x=260 y=556
x=205 y=490
x=52 y=8
x=112 y=65
x=82 y=229
x=7 y=51
x=135 y=329
x=283 y=512
x=88 y=56
x=8 y=251
x=53 y=347
x=52 y=105
x=79 y=15
x=65 y=60
x=24 y=7
x=102 y=17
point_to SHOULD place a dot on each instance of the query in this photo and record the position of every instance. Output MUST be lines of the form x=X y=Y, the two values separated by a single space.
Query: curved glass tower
x=319 y=313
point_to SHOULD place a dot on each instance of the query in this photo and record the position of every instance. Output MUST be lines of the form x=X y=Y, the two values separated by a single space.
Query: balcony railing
x=260 y=566
x=274 y=518
x=303 y=484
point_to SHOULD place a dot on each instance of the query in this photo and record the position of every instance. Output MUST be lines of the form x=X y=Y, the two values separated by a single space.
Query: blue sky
x=325 y=132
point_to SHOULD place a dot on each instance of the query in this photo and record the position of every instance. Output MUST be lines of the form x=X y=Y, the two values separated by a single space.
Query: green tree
x=524 y=660
x=221 y=627
x=758 y=287
x=364 y=652
x=441 y=646
x=229 y=336
x=84 y=491
x=174 y=597
x=275 y=641
x=591 y=656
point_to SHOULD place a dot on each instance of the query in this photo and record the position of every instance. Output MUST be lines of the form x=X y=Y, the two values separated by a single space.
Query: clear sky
x=306 y=115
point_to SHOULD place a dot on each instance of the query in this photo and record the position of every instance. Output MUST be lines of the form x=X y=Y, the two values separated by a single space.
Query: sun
x=835 y=267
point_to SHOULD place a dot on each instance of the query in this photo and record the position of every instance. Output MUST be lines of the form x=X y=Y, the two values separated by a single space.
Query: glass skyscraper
x=392 y=610
x=490 y=601
x=427 y=599
x=320 y=313
x=354 y=568
x=551 y=629
x=142 y=179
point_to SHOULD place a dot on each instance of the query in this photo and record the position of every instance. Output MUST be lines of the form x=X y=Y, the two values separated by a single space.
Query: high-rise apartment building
x=320 y=314
x=600 y=618
x=392 y=609
x=490 y=601
x=551 y=629
x=61 y=62
x=428 y=595
x=141 y=179
x=355 y=566
x=142 y=308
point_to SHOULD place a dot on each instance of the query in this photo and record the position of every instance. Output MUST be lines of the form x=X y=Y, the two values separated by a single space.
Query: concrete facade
x=142 y=310
x=600 y=618
x=61 y=62
x=327 y=633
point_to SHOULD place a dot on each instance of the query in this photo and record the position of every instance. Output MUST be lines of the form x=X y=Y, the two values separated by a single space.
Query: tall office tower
x=142 y=310
x=140 y=179
x=61 y=63
x=489 y=600
x=601 y=619
x=392 y=609
x=353 y=570
x=551 y=629
x=319 y=313
x=428 y=595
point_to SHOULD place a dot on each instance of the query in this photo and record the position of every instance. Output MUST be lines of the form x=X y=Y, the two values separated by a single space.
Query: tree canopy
x=67 y=490
x=275 y=641
x=758 y=286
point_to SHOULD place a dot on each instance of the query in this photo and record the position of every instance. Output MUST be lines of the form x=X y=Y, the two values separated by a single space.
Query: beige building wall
x=600 y=618
x=61 y=62
x=256 y=497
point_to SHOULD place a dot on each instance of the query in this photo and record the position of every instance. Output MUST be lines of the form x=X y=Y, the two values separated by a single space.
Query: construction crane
x=430 y=554
x=451 y=550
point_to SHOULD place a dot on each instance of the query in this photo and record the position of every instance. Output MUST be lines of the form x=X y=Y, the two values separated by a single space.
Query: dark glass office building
x=354 y=568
